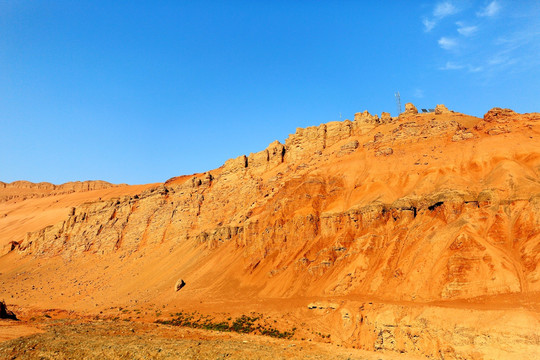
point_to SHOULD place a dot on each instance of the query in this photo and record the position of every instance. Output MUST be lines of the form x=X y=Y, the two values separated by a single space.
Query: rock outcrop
x=26 y=189
x=441 y=109
x=498 y=121
x=410 y=109
x=385 y=118
x=499 y=115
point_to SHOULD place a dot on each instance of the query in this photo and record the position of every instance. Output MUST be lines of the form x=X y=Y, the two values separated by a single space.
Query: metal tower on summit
x=398 y=102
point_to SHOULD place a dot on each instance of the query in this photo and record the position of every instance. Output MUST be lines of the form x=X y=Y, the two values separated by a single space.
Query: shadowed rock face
x=5 y=313
x=425 y=207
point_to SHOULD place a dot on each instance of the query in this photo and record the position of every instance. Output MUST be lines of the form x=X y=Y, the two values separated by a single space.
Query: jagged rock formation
x=297 y=212
x=419 y=208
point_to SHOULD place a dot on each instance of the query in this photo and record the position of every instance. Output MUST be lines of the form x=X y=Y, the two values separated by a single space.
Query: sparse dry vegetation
x=246 y=324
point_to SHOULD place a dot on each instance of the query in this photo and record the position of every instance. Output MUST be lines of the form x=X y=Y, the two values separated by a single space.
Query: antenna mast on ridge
x=398 y=102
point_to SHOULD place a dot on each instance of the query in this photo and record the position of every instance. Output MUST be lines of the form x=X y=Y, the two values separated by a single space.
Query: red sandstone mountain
x=416 y=234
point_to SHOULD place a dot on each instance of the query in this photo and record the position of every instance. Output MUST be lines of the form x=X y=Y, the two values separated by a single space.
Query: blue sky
x=139 y=92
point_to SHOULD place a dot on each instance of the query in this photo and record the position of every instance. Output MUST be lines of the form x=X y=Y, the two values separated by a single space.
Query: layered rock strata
x=27 y=190
x=421 y=208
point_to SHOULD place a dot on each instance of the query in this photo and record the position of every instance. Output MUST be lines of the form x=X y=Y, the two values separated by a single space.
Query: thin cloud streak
x=522 y=47
x=418 y=93
x=428 y=24
x=451 y=66
x=448 y=43
x=475 y=69
x=466 y=30
x=492 y=9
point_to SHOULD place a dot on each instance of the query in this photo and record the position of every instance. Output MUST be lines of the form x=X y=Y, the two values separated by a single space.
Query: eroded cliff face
x=420 y=208
x=325 y=207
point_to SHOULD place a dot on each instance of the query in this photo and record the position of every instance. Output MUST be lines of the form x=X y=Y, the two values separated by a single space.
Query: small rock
x=179 y=285
x=5 y=313
x=384 y=152
x=497 y=130
x=350 y=146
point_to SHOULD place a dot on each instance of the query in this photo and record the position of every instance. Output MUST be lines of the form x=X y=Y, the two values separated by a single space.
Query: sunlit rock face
x=433 y=207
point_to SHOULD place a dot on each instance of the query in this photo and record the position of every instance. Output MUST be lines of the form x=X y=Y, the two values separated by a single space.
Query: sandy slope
x=417 y=235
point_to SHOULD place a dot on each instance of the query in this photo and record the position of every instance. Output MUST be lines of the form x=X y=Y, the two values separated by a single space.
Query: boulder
x=5 y=313
x=179 y=285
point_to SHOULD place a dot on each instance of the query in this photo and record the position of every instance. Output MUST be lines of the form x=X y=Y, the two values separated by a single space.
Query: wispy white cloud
x=448 y=43
x=501 y=58
x=521 y=47
x=508 y=43
x=520 y=38
x=475 y=68
x=418 y=93
x=440 y=11
x=454 y=66
x=444 y=9
x=428 y=24
x=490 y=10
x=466 y=30
x=451 y=66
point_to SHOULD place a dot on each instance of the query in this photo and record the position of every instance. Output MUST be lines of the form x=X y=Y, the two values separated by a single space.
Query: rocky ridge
x=26 y=190
x=418 y=208
x=271 y=210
